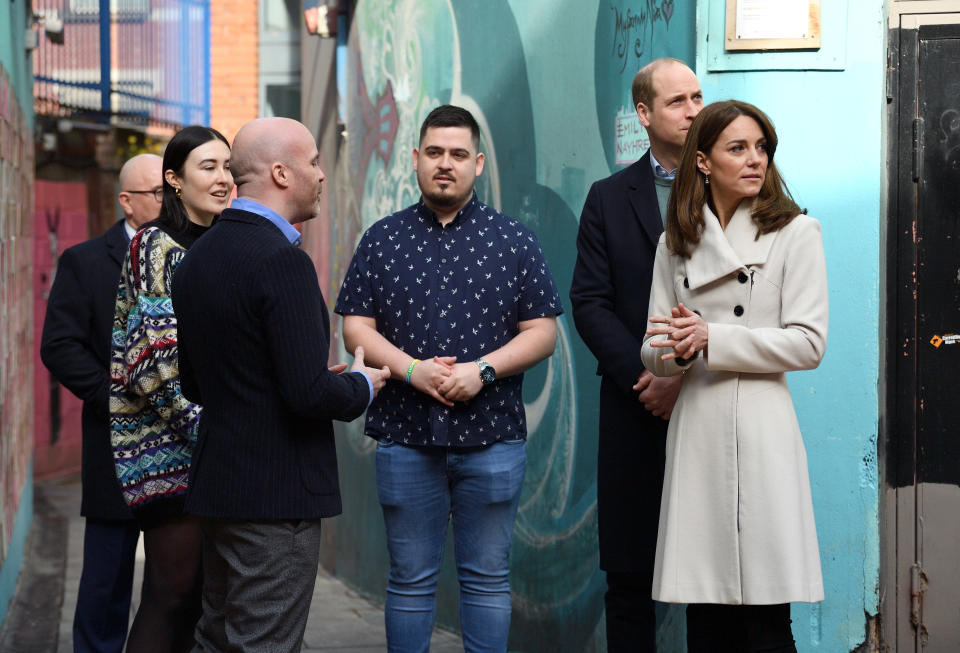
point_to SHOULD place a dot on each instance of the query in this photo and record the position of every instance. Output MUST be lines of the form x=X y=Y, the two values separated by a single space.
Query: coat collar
x=643 y=198
x=116 y=241
x=721 y=252
x=254 y=219
x=239 y=215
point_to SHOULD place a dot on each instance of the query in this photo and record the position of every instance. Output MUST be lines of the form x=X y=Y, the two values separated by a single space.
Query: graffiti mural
x=548 y=81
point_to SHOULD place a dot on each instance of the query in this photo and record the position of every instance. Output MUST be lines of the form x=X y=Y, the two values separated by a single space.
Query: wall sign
x=773 y=25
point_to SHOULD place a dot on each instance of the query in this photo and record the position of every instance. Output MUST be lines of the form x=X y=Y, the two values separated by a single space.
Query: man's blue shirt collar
x=659 y=170
x=288 y=230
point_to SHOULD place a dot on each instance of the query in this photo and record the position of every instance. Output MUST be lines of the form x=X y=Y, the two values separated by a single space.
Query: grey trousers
x=258 y=579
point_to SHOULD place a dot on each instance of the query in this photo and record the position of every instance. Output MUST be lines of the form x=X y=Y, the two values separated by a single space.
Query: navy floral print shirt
x=459 y=290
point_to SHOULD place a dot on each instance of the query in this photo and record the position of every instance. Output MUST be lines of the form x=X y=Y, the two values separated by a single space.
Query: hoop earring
x=177 y=192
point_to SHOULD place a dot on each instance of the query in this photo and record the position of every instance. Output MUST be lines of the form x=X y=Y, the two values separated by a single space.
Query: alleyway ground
x=41 y=613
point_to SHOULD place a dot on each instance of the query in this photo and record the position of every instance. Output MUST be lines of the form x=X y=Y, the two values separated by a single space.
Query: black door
x=922 y=421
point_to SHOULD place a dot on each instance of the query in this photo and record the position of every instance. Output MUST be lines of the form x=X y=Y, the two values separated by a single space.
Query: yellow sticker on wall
x=945 y=339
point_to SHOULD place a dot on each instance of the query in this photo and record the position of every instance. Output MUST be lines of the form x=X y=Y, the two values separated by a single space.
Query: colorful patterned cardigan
x=153 y=428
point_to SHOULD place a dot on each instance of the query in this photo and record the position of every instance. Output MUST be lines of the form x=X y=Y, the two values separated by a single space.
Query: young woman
x=153 y=427
x=739 y=298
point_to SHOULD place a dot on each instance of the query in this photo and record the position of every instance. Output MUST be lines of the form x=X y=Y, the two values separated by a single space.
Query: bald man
x=254 y=337
x=75 y=347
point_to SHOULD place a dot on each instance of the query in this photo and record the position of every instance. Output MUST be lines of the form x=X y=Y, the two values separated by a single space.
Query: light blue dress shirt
x=659 y=170
x=243 y=204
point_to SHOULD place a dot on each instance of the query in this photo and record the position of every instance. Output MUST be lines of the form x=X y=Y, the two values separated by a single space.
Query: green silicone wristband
x=413 y=364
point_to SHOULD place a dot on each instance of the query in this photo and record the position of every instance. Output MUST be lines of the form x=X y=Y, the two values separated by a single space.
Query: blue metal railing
x=126 y=61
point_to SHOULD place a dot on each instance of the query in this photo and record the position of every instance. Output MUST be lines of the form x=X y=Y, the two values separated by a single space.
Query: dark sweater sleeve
x=296 y=329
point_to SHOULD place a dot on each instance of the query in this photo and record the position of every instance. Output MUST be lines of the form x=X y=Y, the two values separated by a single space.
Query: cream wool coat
x=736 y=517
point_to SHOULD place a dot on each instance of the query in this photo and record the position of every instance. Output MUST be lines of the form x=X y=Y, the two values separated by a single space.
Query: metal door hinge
x=918 y=585
x=891 y=74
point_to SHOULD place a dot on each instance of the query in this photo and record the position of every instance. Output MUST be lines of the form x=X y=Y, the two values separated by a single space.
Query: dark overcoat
x=616 y=246
x=75 y=347
x=254 y=335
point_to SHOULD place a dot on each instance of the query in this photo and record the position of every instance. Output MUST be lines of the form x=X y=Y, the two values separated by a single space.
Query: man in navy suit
x=254 y=337
x=75 y=347
x=620 y=225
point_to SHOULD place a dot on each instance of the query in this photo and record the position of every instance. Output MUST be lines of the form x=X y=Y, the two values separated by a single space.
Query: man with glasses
x=75 y=347
x=157 y=194
x=141 y=192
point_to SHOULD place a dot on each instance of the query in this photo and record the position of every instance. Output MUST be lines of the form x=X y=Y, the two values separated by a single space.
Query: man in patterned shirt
x=457 y=300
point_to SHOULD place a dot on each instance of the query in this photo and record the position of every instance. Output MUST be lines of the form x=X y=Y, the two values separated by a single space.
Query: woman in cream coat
x=739 y=298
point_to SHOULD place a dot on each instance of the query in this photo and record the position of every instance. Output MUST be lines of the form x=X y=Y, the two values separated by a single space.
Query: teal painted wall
x=549 y=83
x=13 y=562
x=831 y=152
x=13 y=25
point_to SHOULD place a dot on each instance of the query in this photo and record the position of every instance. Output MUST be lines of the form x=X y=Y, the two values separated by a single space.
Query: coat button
x=686 y=282
x=742 y=277
x=738 y=310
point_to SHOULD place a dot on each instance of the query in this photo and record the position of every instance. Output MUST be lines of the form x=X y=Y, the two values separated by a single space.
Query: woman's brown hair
x=774 y=207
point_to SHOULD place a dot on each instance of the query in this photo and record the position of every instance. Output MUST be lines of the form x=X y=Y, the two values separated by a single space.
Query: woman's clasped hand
x=686 y=332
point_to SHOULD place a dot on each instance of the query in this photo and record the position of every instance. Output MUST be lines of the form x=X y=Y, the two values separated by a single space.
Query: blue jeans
x=419 y=488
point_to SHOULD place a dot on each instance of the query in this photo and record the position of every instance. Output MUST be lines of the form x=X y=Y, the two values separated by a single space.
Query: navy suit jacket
x=254 y=333
x=75 y=347
x=616 y=245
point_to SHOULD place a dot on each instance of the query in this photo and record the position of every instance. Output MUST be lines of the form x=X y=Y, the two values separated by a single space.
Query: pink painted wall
x=60 y=221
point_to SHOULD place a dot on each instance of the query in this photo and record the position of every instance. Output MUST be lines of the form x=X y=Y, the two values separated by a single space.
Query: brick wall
x=16 y=325
x=233 y=65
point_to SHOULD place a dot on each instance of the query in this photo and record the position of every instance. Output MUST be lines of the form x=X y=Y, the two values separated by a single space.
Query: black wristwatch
x=487 y=374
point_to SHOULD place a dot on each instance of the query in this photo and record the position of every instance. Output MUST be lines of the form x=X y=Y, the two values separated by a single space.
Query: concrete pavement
x=41 y=614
